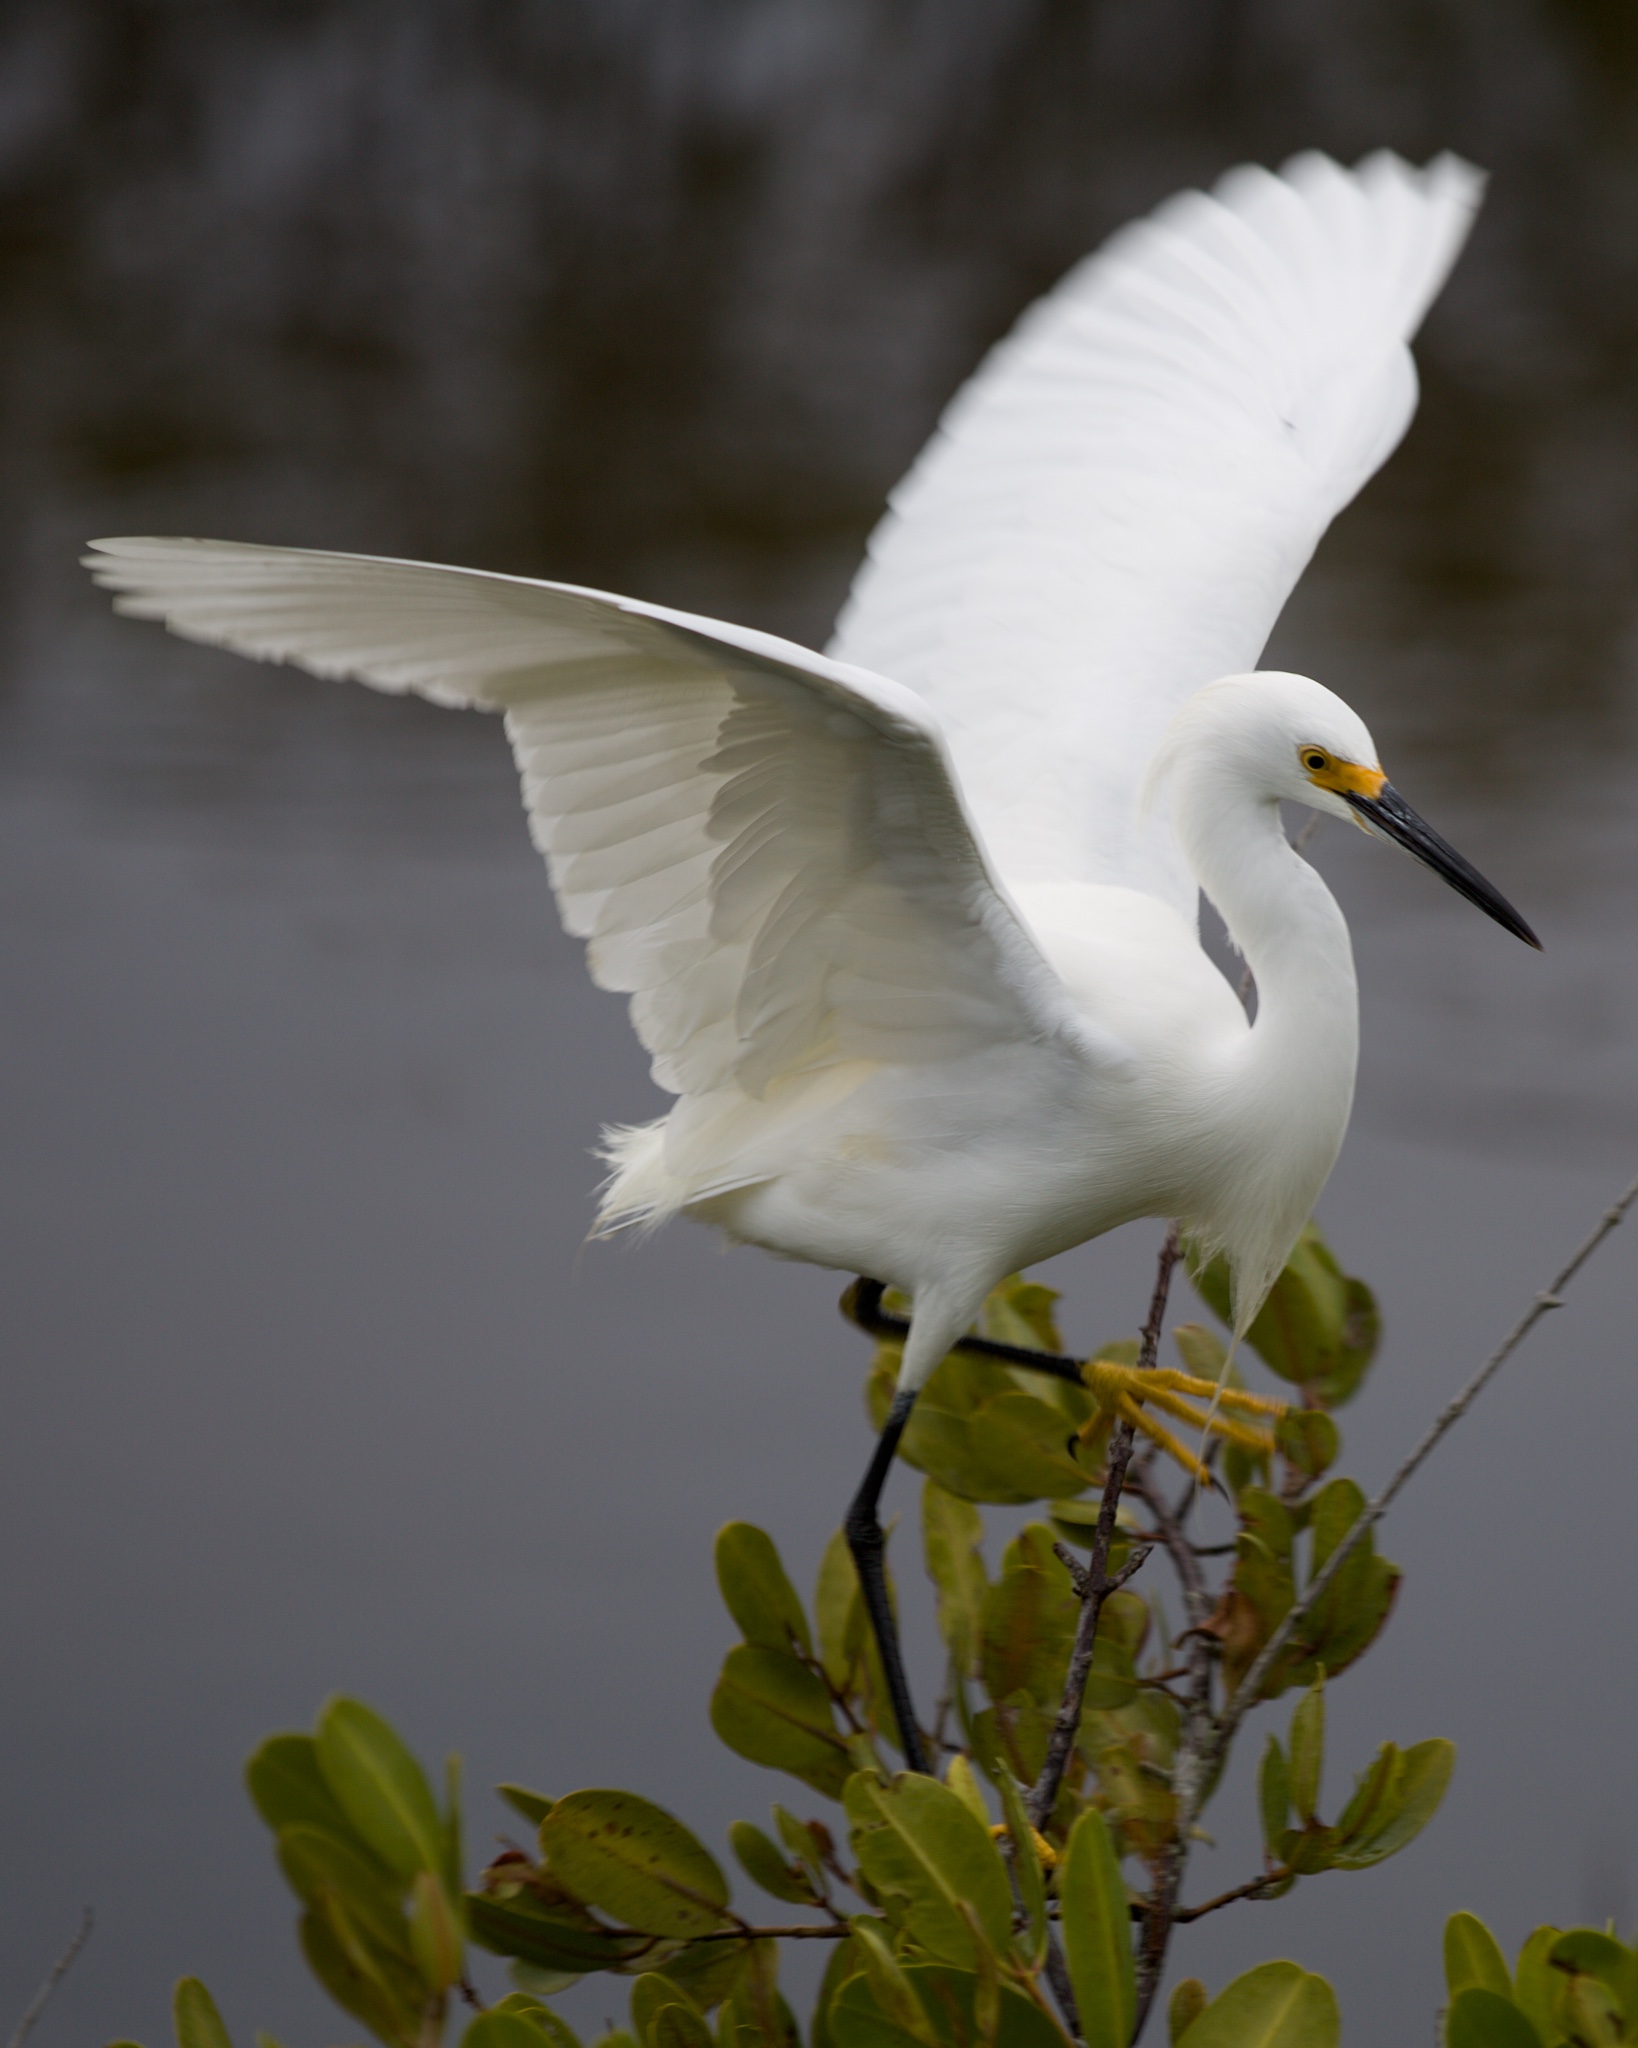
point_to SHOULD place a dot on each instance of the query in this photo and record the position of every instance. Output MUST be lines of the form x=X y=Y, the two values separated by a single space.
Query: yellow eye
x=1315 y=760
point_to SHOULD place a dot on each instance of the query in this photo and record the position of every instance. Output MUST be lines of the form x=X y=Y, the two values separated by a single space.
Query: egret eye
x=1313 y=760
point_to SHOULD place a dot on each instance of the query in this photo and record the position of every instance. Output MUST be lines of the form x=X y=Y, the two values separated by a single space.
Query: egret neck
x=1287 y=1085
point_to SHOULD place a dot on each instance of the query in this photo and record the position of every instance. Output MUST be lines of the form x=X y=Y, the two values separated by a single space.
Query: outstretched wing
x=763 y=848
x=1118 y=504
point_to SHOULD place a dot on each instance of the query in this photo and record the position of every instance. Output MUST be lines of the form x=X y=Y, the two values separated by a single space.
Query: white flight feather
x=1117 y=505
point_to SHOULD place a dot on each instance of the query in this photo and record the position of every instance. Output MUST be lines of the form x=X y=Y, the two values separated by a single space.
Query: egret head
x=1293 y=740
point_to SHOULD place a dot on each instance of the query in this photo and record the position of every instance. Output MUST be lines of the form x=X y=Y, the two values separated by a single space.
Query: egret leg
x=868 y=1545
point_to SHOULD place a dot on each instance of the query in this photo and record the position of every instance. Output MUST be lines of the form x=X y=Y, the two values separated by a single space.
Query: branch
x=1204 y=1742
x=1095 y=1584
x=59 y=1970
x=1182 y=1915
x=1552 y=1296
x=801 y=1930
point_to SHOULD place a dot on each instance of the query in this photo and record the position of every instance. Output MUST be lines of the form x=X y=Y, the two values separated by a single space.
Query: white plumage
x=909 y=930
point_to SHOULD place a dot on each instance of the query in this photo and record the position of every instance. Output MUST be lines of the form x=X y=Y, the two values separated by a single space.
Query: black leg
x=862 y=1304
x=865 y=1540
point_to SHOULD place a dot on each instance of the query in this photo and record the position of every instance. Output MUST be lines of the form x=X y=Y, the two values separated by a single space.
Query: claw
x=1130 y=1391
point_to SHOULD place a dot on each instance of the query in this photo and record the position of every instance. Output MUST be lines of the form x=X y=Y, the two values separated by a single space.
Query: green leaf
x=198 y=2023
x=1307 y=1439
x=977 y=1433
x=1472 y=1956
x=706 y=1970
x=1374 y=1801
x=1023 y=1312
x=633 y=1861
x=757 y=1592
x=775 y=1711
x=534 y=1806
x=1277 y=2005
x=315 y=1862
x=925 y=1856
x=1273 y=1794
x=288 y=1789
x=764 y=1865
x=888 y=1986
x=754 y=2015
x=1026 y=1871
x=1590 y=1952
x=1318 y=1328
x=435 y=1933
x=513 y=2028
x=1097 y=1934
x=808 y=1841
x=841 y=1964
x=664 y=2016
x=1188 y=2001
x=1536 y=1982
x=948 y=1999
x=1419 y=1784
x=1308 y=1750
x=1029 y=1619
x=565 y=1940
x=835 y=1606
x=951 y=1532
x=963 y=1782
x=364 y=1980
x=380 y=1788
x=1482 y=2018
x=538 y=1984
x=547 y=2024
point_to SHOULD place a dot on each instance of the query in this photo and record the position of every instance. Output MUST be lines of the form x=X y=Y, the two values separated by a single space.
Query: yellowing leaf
x=633 y=1861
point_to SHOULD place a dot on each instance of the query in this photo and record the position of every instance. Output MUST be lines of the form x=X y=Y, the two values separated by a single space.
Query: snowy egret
x=910 y=929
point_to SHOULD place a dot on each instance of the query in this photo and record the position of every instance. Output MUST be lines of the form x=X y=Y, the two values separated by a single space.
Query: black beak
x=1390 y=814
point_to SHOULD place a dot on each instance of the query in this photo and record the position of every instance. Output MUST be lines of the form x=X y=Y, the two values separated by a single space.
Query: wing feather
x=1115 y=508
x=764 y=849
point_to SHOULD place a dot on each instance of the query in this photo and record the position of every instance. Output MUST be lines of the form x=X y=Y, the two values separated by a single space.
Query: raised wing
x=1116 y=507
x=762 y=847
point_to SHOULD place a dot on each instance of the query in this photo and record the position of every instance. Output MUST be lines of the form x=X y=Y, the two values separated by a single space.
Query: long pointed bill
x=1387 y=812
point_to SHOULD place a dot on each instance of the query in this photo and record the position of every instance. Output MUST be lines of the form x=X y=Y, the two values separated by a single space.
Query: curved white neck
x=1292 y=1074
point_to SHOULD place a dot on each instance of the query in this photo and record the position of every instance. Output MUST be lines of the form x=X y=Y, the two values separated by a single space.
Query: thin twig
x=1182 y=1915
x=59 y=1970
x=1096 y=1582
x=1205 y=1742
x=801 y=1930
x=1550 y=1297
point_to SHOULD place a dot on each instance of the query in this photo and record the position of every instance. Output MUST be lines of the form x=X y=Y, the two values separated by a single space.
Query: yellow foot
x=1045 y=1854
x=1124 y=1391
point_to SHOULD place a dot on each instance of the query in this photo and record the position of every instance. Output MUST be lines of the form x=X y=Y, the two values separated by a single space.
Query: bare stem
x=1096 y=1585
x=59 y=1970
x=1551 y=1296
x=1255 y=1889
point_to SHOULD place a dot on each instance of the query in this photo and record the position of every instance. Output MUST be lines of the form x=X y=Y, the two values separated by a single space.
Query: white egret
x=910 y=929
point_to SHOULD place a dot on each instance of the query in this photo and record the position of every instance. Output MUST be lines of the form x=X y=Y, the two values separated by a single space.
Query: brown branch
x=1551 y=1296
x=800 y=1930
x=58 y=1971
x=1095 y=1583
x=1182 y=1915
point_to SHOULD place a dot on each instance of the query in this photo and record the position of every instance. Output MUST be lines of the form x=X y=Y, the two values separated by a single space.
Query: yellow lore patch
x=1344 y=778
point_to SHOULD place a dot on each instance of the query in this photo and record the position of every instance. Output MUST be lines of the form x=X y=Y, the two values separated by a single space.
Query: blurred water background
x=309 y=1383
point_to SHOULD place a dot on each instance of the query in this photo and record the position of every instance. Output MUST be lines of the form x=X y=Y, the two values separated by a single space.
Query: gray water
x=309 y=1381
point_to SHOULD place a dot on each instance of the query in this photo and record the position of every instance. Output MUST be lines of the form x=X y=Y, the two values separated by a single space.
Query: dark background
x=308 y=1382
